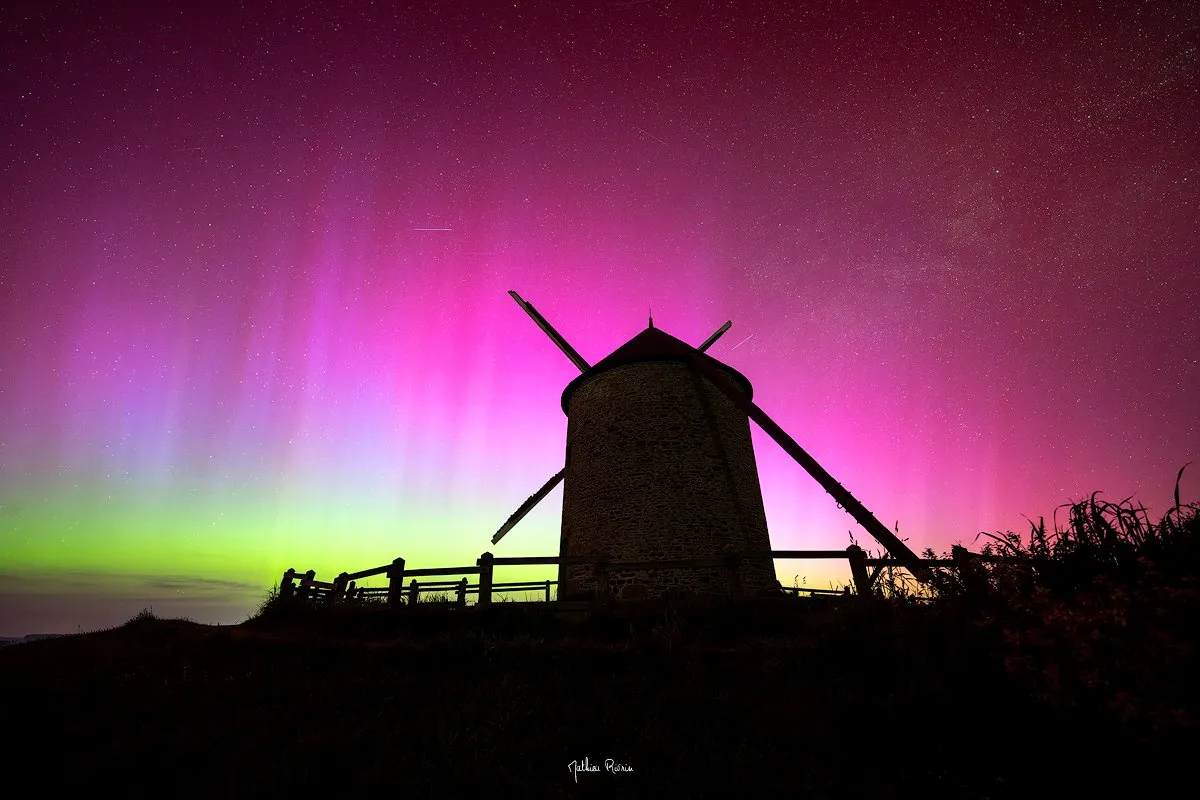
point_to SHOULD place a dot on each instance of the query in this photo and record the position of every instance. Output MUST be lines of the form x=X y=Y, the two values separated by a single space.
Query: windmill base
x=632 y=585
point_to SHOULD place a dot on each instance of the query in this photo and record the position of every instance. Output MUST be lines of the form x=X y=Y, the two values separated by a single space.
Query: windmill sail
x=528 y=505
x=554 y=335
x=865 y=518
x=716 y=335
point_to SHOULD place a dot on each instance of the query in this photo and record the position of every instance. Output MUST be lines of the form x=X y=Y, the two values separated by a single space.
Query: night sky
x=254 y=264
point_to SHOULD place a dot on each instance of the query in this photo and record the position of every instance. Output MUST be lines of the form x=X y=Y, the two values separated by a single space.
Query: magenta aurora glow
x=254 y=269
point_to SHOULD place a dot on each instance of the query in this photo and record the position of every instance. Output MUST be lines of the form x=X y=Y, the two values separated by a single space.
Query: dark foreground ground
x=837 y=701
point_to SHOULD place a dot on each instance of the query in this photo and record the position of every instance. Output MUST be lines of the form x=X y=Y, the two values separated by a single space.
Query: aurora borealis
x=254 y=264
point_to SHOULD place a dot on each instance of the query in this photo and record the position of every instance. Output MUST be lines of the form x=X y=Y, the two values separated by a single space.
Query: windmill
x=659 y=465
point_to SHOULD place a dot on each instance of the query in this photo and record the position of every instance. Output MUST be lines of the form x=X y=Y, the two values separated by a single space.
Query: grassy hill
x=1064 y=672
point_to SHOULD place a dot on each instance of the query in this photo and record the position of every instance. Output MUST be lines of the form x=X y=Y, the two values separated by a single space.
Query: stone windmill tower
x=660 y=466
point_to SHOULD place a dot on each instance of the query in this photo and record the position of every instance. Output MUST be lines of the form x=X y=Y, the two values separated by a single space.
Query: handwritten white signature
x=610 y=765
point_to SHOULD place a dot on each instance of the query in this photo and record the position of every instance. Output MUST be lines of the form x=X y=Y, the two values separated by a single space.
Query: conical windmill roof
x=651 y=344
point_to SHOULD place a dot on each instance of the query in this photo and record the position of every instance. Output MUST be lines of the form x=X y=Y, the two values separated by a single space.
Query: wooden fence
x=864 y=573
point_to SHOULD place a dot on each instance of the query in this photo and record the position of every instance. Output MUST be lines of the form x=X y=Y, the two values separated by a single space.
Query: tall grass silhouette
x=1098 y=540
x=1093 y=613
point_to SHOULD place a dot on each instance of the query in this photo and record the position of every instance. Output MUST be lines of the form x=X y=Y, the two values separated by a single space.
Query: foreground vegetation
x=1073 y=664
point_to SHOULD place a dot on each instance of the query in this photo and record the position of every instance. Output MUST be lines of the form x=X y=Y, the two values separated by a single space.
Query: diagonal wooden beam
x=528 y=505
x=716 y=335
x=899 y=550
x=554 y=335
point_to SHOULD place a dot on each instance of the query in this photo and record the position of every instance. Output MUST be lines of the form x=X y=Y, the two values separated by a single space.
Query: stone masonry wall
x=646 y=479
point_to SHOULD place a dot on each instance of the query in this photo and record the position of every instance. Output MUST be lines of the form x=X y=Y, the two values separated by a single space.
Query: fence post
x=462 y=592
x=339 y=588
x=351 y=592
x=288 y=587
x=733 y=581
x=971 y=574
x=547 y=590
x=396 y=583
x=306 y=590
x=485 y=579
x=414 y=592
x=858 y=570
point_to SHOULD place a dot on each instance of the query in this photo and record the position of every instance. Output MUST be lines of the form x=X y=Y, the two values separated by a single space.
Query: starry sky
x=254 y=264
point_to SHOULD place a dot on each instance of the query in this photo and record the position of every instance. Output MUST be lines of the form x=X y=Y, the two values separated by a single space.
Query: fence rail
x=864 y=573
x=798 y=590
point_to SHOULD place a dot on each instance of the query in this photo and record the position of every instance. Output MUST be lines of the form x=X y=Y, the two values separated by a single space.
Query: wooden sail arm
x=899 y=550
